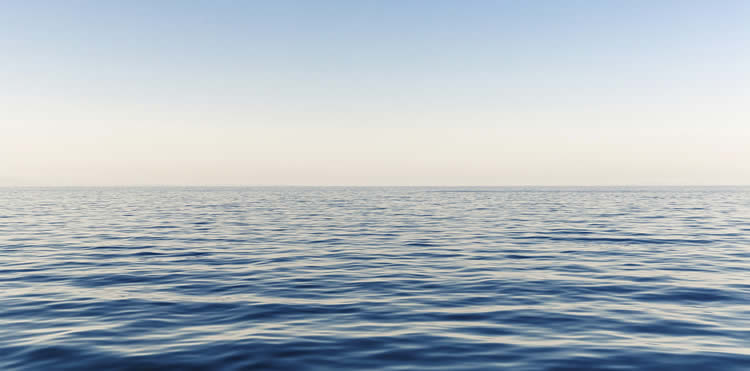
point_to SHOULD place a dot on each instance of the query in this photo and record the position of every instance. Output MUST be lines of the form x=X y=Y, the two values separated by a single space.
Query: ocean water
x=375 y=278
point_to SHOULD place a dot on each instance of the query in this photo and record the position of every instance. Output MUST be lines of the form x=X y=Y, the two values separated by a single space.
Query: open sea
x=296 y=278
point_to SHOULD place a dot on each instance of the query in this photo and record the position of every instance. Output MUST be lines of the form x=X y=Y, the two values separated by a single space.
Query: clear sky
x=374 y=92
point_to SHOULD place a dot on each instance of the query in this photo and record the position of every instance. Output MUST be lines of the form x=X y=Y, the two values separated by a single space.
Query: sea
x=390 y=278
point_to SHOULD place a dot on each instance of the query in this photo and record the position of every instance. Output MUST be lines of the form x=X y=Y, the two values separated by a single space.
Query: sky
x=455 y=93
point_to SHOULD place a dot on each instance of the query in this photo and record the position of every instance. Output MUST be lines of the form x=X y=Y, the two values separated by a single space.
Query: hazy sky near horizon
x=374 y=92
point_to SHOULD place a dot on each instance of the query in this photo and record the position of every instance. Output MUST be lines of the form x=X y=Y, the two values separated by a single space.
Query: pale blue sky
x=374 y=92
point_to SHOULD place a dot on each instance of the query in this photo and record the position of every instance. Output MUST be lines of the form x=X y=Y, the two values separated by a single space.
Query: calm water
x=375 y=278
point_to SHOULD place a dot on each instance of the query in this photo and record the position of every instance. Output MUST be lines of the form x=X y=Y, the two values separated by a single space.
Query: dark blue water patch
x=145 y=278
x=578 y=268
x=314 y=354
x=148 y=253
x=420 y=244
x=162 y=227
x=617 y=240
x=645 y=359
x=641 y=279
x=377 y=278
x=675 y=328
x=138 y=246
x=696 y=295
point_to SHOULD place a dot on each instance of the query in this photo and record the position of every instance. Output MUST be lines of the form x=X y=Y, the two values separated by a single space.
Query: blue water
x=375 y=278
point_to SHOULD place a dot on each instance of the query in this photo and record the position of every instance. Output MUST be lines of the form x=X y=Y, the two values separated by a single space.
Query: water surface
x=375 y=278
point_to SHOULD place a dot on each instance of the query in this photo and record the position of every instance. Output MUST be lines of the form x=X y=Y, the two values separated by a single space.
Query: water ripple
x=375 y=278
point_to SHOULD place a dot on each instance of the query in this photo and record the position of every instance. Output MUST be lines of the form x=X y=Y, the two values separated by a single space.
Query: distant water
x=375 y=278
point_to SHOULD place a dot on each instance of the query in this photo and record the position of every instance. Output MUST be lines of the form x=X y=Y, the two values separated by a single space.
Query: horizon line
x=366 y=186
